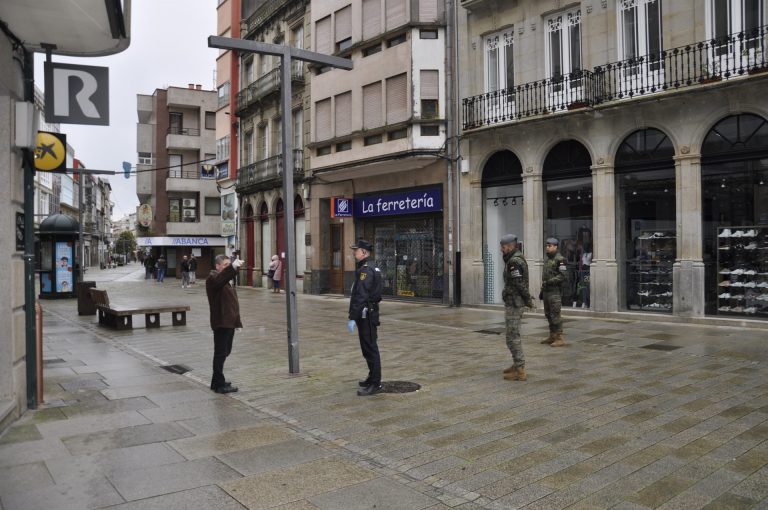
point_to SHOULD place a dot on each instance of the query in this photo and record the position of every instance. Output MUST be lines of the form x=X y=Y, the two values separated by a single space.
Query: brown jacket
x=225 y=309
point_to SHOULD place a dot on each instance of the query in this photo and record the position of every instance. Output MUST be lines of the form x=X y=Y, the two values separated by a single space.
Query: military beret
x=508 y=239
x=552 y=240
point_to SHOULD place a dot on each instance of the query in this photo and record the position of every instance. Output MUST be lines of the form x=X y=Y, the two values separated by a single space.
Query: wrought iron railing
x=698 y=64
x=261 y=15
x=183 y=131
x=266 y=85
x=269 y=169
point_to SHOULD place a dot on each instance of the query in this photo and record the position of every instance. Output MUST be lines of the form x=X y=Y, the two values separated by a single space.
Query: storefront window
x=567 y=180
x=735 y=222
x=409 y=253
x=646 y=204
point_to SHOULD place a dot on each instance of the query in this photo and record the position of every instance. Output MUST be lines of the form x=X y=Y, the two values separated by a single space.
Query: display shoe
x=750 y=310
x=725 y=271
x=738 y=233
x=750 y=285
x=517 y=375
x=737 y=271
x=725 y=308
x=762 y=285
x=724 y=295
x=724 y=283
x=750 y=233
x=725 y=233
x=751 y=246
x=750 y=272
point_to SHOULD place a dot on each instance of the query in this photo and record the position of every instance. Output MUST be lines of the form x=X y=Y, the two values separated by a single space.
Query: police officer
x=364 y=313
x=552 y=280
x=516 y=296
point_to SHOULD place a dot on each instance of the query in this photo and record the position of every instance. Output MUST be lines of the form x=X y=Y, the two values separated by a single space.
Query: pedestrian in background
x=516 y=296
x=364 y=313
x=192 y=269
x=552 y=279
x=275 y=272
x=235 y=256
x=161 y=267
x=149 y=267
x=184 y=272
x=225 y=317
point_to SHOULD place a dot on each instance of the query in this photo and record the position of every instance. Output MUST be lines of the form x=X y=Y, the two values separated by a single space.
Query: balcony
x=263 y=14
x=696 y=65
x=251 y=96
x=268 y=173
x=182 y=138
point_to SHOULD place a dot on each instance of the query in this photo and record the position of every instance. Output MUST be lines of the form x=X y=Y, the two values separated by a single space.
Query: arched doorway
x=502 y=184
x=266 y=238
x=734 y=187
x=646 y=213
x=250 y=253
x=567 y=179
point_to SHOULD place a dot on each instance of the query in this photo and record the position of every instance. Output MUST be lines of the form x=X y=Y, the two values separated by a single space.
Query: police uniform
x=516 y=296
x=364 y=310
x=552 y=280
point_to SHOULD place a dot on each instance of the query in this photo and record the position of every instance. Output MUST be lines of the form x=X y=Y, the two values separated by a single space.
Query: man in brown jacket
x=225 y=317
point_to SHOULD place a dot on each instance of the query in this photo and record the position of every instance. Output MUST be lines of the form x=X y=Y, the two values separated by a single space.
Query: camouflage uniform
x=553 y=277
x=516 y=295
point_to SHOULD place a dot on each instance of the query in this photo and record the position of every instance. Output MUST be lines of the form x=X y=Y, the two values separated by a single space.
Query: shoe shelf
x=742 y=271
x=650 y=273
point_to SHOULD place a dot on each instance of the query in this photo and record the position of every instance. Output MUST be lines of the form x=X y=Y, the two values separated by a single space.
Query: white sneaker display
x=737 y=271
x=751 y=246
x=750 y=309
x=725 y=271
x=750 y=272
x=750 y=285
x=762 y=285
x=724 y=283
x=725 y=308
x=737 y=284
x=738 y=233
x=724 y=295
x=725 y=233
x=750 y=233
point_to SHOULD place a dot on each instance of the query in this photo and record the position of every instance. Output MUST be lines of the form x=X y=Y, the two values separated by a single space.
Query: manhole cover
x=176 y=369
x=661 y=347
x=399 y=386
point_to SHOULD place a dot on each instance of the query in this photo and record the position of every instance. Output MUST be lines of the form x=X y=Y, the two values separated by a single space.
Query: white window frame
x=731 y=54
x=499 y=44
x=564 y=88
x=648 y=70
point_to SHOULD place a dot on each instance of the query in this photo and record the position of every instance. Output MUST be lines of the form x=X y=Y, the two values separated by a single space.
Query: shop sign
x=228 y=213
x=408 y=202
x=181 y=241
x=145 y=215
x=341 y=207
x=51 y=151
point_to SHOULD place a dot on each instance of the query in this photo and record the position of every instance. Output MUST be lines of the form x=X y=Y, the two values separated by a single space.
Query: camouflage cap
x=508 y=239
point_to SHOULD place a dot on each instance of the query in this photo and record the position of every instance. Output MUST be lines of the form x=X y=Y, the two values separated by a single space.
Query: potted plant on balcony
x=575 y=105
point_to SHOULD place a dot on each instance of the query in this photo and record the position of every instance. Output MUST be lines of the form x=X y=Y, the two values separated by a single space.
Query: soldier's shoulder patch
x=363 y=275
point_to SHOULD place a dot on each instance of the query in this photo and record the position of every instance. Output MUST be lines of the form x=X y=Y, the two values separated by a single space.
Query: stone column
x=472 y=240
x=533 y=226
x=603 y=273
x=688 y=270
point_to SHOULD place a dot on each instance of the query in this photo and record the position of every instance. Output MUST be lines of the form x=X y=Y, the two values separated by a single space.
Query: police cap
x=508 y=239
x=362 y=243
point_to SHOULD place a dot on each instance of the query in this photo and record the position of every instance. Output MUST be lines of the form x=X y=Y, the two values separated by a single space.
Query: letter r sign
x=76 y=94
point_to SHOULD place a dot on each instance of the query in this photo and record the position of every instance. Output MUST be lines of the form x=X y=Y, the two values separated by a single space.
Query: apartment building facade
x=636 y=132
x=176 y=146
x=377 y=142
x=259 y=114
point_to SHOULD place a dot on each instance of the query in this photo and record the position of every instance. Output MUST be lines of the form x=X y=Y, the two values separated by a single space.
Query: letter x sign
x=76 y=94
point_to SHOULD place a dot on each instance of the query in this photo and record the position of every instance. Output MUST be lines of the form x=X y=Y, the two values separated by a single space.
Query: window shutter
x=371 y=18
x=343 y=114
x=397 y=99
x=323 y=42
x=427 y=10
x=430 y=86
x=396 y=14
x=343 y=23
x=372 y=105
x=323 y=119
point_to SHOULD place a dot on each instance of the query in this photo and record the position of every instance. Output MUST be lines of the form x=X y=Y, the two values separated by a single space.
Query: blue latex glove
x=351 y=326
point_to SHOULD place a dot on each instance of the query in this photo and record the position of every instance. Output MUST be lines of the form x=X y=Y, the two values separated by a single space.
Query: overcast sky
x=168 y=48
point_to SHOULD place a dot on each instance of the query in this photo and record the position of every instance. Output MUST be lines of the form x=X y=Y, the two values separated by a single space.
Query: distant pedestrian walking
x=516 y=296
x=275 y=273
x=552 y=280
x=184 y=272
x=161 y=267
x=192 y=269
x=364 y=313
x=149 y=267
x=225 y=317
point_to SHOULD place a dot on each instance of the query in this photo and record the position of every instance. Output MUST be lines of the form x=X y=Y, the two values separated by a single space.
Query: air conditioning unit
x=189 y=213
x=188 y=202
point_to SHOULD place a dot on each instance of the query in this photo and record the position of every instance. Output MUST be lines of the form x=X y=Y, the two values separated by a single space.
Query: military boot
x=517 y=375
x=559 y=340
x=510 y=370
x=549 y=339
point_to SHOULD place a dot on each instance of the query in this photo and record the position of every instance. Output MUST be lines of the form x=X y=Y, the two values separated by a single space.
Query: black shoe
x=370 y=390
x=364 y=384
x=226 y=383
x=226 y=389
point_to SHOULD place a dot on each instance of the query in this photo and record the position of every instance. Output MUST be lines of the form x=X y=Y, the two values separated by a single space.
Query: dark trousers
x=368 y=338
x=222 y=346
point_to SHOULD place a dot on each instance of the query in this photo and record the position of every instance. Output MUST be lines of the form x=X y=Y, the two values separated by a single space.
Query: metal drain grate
x=399 y=387
x=176 y=369
x=661 y=347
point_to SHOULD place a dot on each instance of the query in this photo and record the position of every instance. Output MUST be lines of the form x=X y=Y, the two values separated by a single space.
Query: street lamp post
x=287 y=54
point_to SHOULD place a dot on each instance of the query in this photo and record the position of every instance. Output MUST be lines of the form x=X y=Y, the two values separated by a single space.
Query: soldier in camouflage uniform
x=516 y=296
x=552 y=280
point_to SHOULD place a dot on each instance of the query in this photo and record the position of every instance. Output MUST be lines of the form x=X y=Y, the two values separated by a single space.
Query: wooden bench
x=119 y=316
